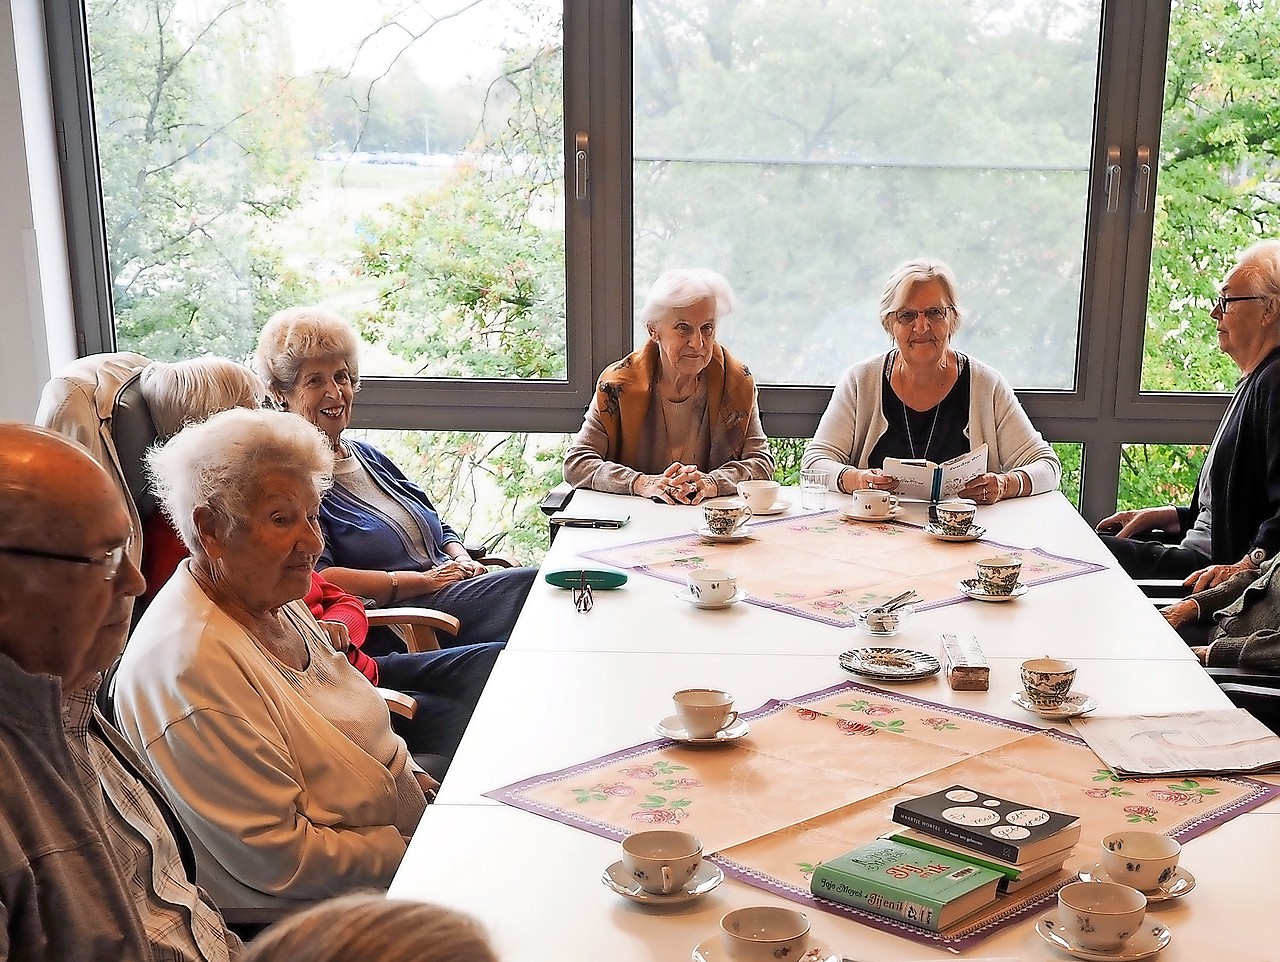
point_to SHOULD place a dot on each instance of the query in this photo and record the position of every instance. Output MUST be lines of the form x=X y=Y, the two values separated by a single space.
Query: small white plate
x=973 y=534
x=1146 y=942
x=706 y=534
x=1178 y=886
x=711 y=950
x=1075 y=704
x=848 y=514
x=683 y=595
x=670 y=727
x=778 y=507
x=890 y=664
x=705 y=878
x=970 y=586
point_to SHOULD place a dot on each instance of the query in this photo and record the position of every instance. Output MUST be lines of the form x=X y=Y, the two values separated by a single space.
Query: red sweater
x=163 y=550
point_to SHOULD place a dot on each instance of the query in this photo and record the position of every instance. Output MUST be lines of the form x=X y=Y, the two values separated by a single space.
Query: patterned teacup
x=1100 y=915
x=661 y=861
x=1145 y=860
x=725 y=515
x=999 y=575
x=955 y=516
x=764 y=933
x=1047 y=681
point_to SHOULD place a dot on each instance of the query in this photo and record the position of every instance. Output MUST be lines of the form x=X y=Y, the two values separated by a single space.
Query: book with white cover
x=918 y=478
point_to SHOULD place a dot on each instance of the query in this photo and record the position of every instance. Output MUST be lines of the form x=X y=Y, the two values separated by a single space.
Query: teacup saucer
x=711 y=950
x=973 y=588
x=1146 y=942
x=670 y=727
x=1178 y=886
x=1075 y=704
x=778 y=507
x=975 y=532
x=683 y=595
x=705 y=878
x=848 y=514
x=706 y=534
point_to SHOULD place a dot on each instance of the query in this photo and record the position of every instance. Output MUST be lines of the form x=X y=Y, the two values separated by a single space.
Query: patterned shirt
x=180 y=922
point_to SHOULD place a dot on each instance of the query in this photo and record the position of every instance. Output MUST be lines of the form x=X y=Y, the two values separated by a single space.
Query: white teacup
x=712 y=586
x=661 y=861
x=999 y=575
x=872 y=503
x=1100 y=915
x=1047 y=681
x=955 y=516
x=724 y=516
x=759 y=495
x=764 y=933
x=704 y=712
x=1145 y=860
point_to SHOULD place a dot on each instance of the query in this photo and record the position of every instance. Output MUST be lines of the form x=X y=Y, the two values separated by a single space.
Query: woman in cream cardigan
x=277 y=754
x=923 y=399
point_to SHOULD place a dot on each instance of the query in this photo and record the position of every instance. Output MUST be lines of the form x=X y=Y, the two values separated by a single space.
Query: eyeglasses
x=934 y=315
x=111 y=561
x=582 y=597
x=1220 y=305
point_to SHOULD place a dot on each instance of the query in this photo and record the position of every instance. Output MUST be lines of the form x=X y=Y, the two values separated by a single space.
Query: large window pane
x=1219 y=183
x=806 y=148
x=401 y=163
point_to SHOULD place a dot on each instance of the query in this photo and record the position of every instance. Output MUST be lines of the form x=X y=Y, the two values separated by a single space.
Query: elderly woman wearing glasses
x=1233 y=521
x=924 y=399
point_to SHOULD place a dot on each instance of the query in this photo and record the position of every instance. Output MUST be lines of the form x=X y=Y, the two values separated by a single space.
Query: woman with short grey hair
x=276 y=753
x=677 y=420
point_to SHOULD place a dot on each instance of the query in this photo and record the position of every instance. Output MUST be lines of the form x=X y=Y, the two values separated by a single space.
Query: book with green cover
x=928 y=889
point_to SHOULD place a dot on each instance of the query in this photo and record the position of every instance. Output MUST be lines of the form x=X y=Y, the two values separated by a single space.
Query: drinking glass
x=813 y=489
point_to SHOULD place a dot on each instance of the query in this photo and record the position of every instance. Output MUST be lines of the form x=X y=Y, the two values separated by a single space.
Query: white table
x=571 y=687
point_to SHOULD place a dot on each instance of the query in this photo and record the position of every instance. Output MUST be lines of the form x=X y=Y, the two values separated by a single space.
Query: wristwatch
x=1256 y=556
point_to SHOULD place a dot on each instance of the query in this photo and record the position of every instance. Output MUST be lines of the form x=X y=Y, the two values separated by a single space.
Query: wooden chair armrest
x=498 y=561
x=398 y=703
x=418 y=626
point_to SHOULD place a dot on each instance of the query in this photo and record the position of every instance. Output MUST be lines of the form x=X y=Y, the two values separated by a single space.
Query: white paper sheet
x=1181 y=743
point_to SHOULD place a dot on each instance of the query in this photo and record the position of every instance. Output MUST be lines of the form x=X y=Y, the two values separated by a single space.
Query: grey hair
x=681 y=287
x=296 y=335
x=188 y=392
x=215 y=465
x=905 y=278
x=1262 y=262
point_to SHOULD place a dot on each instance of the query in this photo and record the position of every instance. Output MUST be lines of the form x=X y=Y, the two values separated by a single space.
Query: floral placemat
x=820 y=567
x=819 y=774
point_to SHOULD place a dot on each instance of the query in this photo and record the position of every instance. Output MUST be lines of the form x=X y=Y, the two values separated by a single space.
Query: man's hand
x=1181 y=613
x=1125 y=524
x=1201 y=652
x=1215 y=575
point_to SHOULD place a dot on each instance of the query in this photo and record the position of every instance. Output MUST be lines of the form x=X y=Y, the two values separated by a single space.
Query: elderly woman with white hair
x=384 y=539
x=676 y=420
x=276 y=753
x=925 y=400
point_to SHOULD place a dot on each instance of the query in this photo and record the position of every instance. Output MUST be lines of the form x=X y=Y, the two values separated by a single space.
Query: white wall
x=37 y=333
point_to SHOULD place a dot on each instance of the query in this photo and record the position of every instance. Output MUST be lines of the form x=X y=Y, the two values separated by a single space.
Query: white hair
x=905 y=278
x=188 y=392
x=682 y=287
x=294 y=336
x=1262 y=262
x=216 y=465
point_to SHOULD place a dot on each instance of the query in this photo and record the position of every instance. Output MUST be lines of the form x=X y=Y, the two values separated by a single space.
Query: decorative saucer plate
x=711 y=950
x=777 y=507
x=705 y=878
x=706 y=534
x=1075 y=704
x=688 y=599
x=890 y=664
x=973 y=534
x=972 y=587
x=670 y=727
x=1178 y=886
x=1146 y=942
x=848 y=514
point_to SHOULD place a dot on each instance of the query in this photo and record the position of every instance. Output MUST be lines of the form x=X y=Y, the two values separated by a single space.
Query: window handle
x=581 y=165
x=1113 y=179
x=1142 y=185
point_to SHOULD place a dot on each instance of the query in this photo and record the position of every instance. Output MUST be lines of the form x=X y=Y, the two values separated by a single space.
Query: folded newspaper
x=1212 y=742
x=918 y=478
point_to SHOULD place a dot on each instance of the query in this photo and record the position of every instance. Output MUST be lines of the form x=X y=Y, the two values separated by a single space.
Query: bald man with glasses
x=1233 y=522
x=92 y=863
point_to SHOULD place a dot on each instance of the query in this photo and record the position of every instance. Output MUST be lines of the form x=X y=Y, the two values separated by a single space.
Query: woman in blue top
x=383 y=538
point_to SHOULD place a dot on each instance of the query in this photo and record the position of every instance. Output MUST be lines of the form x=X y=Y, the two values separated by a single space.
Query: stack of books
x=959 y=850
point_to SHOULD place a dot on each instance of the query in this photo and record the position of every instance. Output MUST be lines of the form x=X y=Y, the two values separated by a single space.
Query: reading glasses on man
x=934 y=315
x=1220 y=305
x=111 y=561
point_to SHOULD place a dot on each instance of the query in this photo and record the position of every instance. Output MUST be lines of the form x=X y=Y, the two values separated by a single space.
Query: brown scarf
x=627 y=387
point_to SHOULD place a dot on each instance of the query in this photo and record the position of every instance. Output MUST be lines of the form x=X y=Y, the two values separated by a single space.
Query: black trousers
x=1152 y=559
